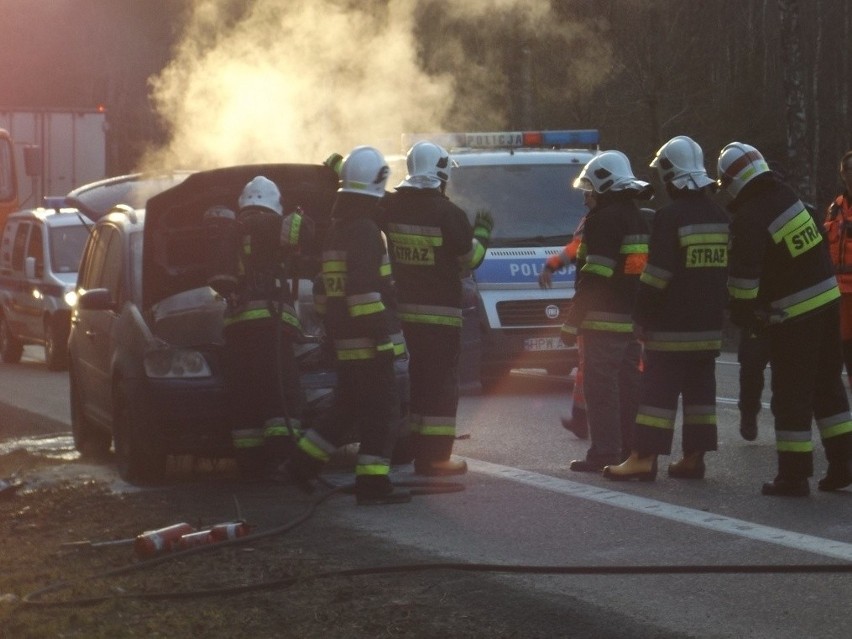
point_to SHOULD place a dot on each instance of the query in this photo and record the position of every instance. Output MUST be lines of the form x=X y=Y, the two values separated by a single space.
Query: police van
x=524 y=179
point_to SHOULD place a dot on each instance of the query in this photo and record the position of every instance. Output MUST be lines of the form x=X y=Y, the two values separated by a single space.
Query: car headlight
x=176 y=364
x=71 y=298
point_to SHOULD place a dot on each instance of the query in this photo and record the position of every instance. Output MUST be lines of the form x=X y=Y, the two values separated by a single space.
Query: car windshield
x=96 y=199
x=66 y=247
x=532 y=203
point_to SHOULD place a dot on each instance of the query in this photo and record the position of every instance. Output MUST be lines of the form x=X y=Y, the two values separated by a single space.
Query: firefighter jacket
x=682 y=290
x=567 y=255
x=610 y=259
x=430 y=241
x=838 y=228
x=779 y=266
x=263 y=243
x=355 y=293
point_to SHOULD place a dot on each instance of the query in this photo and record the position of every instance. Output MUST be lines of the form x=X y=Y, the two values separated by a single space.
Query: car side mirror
x=96 y=299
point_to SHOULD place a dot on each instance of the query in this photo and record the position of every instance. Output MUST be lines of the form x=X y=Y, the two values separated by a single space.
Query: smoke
x=293 y=81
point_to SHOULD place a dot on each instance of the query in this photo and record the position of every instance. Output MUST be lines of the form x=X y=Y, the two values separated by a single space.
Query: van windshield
x=66 y=247
x=532 y=204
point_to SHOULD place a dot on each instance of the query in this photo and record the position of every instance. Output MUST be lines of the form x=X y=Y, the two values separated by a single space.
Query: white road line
x=680 y=514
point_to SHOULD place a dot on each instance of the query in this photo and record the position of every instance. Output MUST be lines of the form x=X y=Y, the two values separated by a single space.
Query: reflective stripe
x=430 y=314
x=807 y=300
x=697 y=414
x=793 y=441
x=416 y=235
x=741 y=288
x=372 y=465
x=257 y=314
x=247 y=438
x=787 y=221
x=473 y=258
x=655 y=276
x=684 y=341
x=385 y=266
x=656 y=417
x=611 y=322
x=443 y=426
x=703 y=234
x=312 y=444
x=835 y=425
x=599 y=265
x=277 y=427
x=365 y=304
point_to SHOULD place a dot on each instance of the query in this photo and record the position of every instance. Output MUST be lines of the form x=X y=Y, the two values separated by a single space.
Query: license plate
x=544 y=344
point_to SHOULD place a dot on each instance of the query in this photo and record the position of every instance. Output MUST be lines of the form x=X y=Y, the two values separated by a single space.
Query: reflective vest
x=838 y=224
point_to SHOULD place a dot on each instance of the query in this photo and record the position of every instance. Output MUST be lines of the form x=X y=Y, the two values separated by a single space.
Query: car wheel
x=89 y=440
x=11 y=348
x=139 y=453
x=56 y=343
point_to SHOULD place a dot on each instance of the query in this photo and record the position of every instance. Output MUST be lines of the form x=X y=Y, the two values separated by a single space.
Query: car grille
x=531 y=312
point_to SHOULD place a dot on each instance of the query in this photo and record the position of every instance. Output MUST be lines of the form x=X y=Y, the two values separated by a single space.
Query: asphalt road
x=522 y=506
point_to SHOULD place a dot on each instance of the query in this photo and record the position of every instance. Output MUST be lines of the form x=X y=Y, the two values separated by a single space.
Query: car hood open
x=175 y=256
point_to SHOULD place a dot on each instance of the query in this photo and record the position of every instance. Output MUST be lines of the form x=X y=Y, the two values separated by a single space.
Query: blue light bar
x=585 y=138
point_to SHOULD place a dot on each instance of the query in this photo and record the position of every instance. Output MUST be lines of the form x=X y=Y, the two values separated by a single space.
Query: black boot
x=375 y=490
x=780 y=487
x=577 y=423
x=839 y=476
x=748 y=426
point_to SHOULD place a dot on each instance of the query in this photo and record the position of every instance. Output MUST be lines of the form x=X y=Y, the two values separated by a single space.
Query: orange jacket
x=567 y=255
x=838 y=227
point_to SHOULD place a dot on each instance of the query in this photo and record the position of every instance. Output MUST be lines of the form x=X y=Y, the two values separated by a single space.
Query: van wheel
x=56 y=343
x=89 y=440
x=139 y=453
x=11 y=348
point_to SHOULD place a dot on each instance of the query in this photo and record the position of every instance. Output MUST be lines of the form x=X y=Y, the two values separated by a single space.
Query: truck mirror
x=32 y=161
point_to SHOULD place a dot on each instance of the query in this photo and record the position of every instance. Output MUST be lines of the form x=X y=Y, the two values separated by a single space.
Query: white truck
x=55 y=150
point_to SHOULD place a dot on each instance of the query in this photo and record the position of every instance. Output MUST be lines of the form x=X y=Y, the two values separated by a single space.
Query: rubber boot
x=634 y=467
x=748 y=426
x=377 y=490
x=780 y=487
x=577 y=423
x=690 y=467
x=443 y=468
x=838 y=451
x=301 y=470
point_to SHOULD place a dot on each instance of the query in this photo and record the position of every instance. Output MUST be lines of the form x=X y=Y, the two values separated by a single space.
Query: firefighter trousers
x=365 y=409
x=434 y=376
x=666 y=379
x=807 y=384
x=611 y=386
x=261 y=385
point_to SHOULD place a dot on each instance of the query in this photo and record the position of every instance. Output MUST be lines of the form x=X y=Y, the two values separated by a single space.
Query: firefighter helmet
x=262 y=193
x=428 y=166
x=680 y=162
x=738 y=165
x=364 y=171
x=609 y=172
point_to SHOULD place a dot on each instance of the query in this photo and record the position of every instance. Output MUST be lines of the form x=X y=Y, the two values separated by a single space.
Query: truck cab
x=524 y=179
x=8 y=177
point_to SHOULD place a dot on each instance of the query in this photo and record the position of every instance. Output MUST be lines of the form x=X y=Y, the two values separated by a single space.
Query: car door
x=102 y=268
x=16 y=305
x=30 y=300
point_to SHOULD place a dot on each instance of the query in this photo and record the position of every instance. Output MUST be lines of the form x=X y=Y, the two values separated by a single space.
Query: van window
x=90 y=275
x=19 y=248
x=529 y=202
x=66 y=247
x=35 y=248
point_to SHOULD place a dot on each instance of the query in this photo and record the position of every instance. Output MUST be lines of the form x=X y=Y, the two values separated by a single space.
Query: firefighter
x=781 y=280
x=679 y=316
x=838 y=224
x=355 y=295
x=265 y=398
x=577 y=422
x=610 y=259
x=431 y=243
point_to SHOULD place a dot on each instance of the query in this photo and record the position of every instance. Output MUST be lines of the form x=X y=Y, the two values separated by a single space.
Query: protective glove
x=296 y=229
x=483 y=223
x=545 y=278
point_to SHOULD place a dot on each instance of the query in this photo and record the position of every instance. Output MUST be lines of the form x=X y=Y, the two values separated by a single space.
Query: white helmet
x=738 y=165
x=364 y=171
x=609 y=172
x=261 y=192
x=428 y=166
x=680 y=162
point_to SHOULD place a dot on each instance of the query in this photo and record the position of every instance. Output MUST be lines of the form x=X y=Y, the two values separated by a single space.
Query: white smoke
x=295 y=80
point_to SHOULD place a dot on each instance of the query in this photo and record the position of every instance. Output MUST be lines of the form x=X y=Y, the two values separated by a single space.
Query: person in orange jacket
x=838 y=224
x=577 y=422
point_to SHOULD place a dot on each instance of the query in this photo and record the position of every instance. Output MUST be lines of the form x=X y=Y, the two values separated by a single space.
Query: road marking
x=680 y=514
